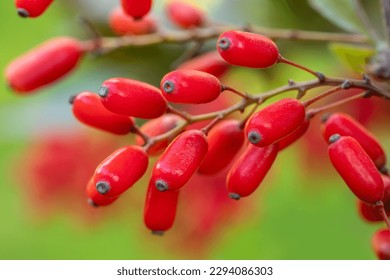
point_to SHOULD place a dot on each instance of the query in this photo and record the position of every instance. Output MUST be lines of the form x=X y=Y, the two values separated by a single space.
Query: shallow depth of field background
x=301 y=211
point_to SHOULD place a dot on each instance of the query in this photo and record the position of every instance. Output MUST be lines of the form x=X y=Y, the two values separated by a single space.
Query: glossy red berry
x=44 y=64
x=185 y=15
x=210 y=62
x=96 y=199
x=345 y=125
x=294 y=136
x=356 y=168
x=157 y=127
x=132 y=98
x=123 y=24
x=160 y=209
x=180 y=161
x=89 y=110
x=247 y=49
x=275 y=122
x=381 y=244
x=120 y=170
x=190 y=86
x=32 y=8
x=225 y=140
x=250 y=169
x=136 y=8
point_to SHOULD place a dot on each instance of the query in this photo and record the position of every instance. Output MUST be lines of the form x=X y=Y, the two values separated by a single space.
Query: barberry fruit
x=275 y=122
x=190 y=86
x=381 y=244
x=120 y=170
x=132 y=98
x=294 y=136
x=32 y=8
x=180 y=160
x=89 y=110
x=250 y=169
x=356 y=168
x=44 y=64
x=136 y=8
x=247 y=49
x=95 y=198
x=185 y=15
x=123 y=24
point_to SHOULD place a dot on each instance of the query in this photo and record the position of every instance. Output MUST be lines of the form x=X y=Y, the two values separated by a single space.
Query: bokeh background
x=302 y=210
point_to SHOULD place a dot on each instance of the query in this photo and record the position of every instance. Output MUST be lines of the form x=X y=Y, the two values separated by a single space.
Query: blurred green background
x=302 y=210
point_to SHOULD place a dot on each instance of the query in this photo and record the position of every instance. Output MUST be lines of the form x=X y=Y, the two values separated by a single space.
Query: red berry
x=180 y=160
x=136 y=8
x=44 y=64
x=210 y=62
x=250 y=169
x=185 y=15
x=132 y=98
x=96 y=199
x=225 y=140
x=160 y=209
x=381 y=244
x=123 y=24
x=88 y=109
x=190 y=86
x=356 y=168
x=275 y=122
x=247 y=49
x=120 y=170
x=347 y=126
x=32 y=8
x=157 y=127
x=294 y=136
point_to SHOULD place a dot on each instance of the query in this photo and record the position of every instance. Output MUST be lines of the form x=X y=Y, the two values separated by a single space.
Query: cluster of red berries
x=249 y=146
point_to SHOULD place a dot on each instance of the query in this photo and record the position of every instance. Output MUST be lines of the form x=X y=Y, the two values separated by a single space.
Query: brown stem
x=321 y=96
x=240 y=93
x=320 y=76
x=382 y=212
x=180 y=113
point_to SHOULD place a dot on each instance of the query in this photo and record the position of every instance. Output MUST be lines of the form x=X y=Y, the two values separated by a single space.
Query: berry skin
x=132 y=98
x=210 y=62
x=157 y=127
x=184 y=15
x=120 y=170
x=44 y=64
x=345 y=125
x=32 y=8
x=294 y=136
x=190 y=87
x=250 y=169
x=225 y=140
x=275 y=122
x=356 y=168
x=180 y=161
x=247 y=49
x=96 y=199
x=381 y=244
x=123 y=24
x=89 y=110
x=160 y=209
x=136 y=8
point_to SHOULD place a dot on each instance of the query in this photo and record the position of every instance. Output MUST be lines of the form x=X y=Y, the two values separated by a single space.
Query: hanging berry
x=136 y=8
x=123 y=24
x=32 y=8
x=184 y=15
x=96 y=199
x=381 y=244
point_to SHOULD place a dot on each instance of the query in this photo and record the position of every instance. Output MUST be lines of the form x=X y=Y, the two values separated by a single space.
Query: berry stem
x=382 y=212
x=180 y=113
x=320 y=76
x=321 y=96
x=135 y=129
x=240 y=93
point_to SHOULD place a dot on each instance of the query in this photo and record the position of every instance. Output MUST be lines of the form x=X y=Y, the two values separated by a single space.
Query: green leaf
x=352 y=56
x=339 y=12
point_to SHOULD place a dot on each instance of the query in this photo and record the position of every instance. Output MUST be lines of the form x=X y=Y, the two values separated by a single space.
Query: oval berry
x=381 y=244
x=120 y=170
x=96 y=199
x=157 y=127
x=225 y=140
x=275 y=122
x=250 y=169
x=160 y=209
x=180 y=160
x=136 y=8
x=247 y=49
x=184 y=15
x=89 y=110
x=44 y=64
x=356 y=168
x=210 y=62
x=190 y=86
x=345 y=125
x=32 y=8
x=123 y=24
x=132 y=98
x=295 y=135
